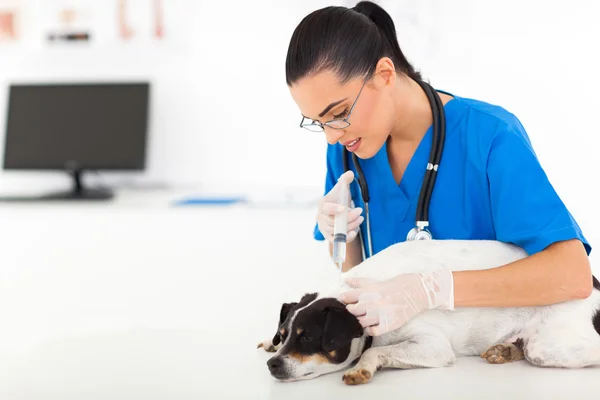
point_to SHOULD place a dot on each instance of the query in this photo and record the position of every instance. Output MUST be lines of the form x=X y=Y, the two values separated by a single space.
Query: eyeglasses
x=339 y=123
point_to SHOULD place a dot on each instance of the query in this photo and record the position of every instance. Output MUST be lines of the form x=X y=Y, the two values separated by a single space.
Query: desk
x=138 y=300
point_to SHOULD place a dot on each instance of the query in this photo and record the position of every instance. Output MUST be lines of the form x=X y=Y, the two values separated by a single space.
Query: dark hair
x=348 y=41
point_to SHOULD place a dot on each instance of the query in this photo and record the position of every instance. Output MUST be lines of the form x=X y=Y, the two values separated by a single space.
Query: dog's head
x=318 y=336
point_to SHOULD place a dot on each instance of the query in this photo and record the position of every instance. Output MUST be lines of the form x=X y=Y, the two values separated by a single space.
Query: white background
x=136 y=297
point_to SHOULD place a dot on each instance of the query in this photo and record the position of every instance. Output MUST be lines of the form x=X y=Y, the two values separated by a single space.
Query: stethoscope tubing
x=435 y=156
x=438 y=141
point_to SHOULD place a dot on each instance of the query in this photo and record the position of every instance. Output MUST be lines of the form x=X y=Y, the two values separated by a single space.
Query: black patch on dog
x=284 y=313
x=325 y=328
x=340 y=326
x=368 y=343
x=596 y=283
x=519 y=343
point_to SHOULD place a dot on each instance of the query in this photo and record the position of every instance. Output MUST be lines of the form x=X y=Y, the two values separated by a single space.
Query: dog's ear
x=341 y=326
x=283 y=314
x=285 y=310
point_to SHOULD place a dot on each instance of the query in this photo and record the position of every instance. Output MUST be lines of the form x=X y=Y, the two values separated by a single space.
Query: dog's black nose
x=274 y=364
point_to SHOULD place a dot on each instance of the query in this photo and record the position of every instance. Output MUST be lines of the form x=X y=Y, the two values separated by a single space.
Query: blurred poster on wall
x=68 y=21
x=108 y=25
x=140 y=20
x=10 y=21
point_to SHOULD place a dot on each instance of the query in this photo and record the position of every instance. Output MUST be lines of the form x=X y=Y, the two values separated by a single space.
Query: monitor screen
x=77 y=126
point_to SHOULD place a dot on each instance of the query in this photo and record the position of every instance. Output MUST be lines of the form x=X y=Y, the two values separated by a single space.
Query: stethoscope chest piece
x=419 y=232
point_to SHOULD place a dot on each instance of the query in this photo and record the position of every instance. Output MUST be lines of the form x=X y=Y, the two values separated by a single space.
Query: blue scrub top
x=490 y=185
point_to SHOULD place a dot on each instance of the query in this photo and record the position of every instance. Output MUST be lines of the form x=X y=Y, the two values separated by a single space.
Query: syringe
x=340 y=227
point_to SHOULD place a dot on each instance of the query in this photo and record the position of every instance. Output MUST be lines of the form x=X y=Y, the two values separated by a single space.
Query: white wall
x=221 y=78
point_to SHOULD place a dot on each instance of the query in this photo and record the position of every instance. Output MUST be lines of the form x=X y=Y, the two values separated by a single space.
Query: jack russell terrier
x=318 y=336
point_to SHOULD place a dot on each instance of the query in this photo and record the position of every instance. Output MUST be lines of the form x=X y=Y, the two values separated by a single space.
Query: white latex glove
x=329 y=206
x=383 y=306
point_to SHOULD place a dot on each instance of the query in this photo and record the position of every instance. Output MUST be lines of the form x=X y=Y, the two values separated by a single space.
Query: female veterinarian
x=349 y=77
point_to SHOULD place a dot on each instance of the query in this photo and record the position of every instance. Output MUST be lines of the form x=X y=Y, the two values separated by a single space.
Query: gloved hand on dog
x=329 y=207
x=383 y=306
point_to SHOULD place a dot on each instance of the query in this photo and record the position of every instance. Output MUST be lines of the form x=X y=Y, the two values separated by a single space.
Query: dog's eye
x=306 y=338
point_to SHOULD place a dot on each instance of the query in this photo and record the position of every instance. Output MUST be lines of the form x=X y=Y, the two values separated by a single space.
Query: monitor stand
x=78 y=192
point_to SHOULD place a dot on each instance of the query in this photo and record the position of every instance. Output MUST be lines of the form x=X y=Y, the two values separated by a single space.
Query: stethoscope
x=420 y=231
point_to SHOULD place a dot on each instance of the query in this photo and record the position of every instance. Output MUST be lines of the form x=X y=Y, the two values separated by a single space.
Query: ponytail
x=349 y=42
x=385 y=24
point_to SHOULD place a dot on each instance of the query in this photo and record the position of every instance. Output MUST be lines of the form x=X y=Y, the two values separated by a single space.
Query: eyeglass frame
x=345 y=119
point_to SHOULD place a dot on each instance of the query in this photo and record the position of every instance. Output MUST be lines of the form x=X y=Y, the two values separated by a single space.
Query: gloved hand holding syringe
x=340 y=226
x=336 y=212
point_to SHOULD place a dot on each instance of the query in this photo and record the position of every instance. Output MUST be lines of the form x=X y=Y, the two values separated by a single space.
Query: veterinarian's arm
x=353 y=255
x=559 y=273
x=528 y=212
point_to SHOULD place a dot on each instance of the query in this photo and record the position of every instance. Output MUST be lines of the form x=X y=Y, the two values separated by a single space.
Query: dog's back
x=410 y=256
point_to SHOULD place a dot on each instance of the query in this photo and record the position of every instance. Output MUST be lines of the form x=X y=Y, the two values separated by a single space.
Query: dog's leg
x=566 y=339
x=504 y=352
x=427 y=351
x=563 y=351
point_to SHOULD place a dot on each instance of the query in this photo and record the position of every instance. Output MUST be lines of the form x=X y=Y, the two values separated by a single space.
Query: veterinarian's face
x=372 y=117
x=319 y=337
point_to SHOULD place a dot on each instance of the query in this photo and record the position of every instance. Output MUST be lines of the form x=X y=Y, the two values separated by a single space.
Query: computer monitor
x=74 y=127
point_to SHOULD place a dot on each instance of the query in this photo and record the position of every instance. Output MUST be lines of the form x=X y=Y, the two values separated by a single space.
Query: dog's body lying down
x=318 y=335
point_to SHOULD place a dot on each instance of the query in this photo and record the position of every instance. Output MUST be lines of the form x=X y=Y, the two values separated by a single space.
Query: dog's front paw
x=357 y=376
x=502 y=353
x=268 y=346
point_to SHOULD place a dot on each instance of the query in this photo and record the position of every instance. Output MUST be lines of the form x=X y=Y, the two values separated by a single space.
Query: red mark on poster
x=7 y=25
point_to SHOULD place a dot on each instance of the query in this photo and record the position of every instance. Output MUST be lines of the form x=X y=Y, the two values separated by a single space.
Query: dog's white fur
x=560 y=335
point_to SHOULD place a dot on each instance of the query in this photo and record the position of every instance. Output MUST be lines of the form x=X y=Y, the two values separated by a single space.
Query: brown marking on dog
x=299 y=331
x=304 y=358
x=332 y=353
x=504 y=353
